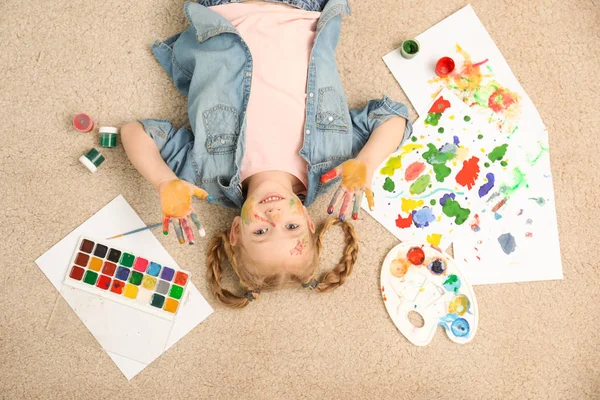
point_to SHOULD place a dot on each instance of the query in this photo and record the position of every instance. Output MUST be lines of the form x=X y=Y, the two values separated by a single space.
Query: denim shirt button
x=311 y=95
x=330 y=118
x=222 y=141
x=248 y=73
x=308 y=131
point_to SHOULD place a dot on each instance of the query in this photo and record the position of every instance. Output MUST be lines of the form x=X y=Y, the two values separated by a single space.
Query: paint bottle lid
x=410 y=48
x=444 y=67
x=108 y=129
x=92 y=160
x=83 y=123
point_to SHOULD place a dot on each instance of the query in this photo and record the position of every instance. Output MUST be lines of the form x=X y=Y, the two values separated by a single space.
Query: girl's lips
x=272 y=197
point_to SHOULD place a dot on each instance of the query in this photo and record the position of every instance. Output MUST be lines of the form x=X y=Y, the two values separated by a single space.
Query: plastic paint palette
x=422 y=279
x=130 y=279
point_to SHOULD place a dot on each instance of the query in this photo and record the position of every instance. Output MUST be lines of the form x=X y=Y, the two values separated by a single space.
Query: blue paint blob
x=452 y=283
x=476 y=228
x=437 y=266
x=456 y=140
x=422 y=217
x=460 y=327
x=446 y=197
x=507 y=242
x=497 y=216
x=486 y=187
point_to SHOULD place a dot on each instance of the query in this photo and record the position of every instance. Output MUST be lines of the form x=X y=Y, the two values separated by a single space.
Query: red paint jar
x=83 y=123
x=444 y=67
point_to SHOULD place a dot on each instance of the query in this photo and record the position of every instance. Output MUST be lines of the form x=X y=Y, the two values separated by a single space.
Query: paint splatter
x=475 y=224
x=469 y=173
x=413 y=171
x=447 y=196
x=441 y=172
x=467 y=118
x=394 y=163
x=452 y=209
x=434 y=239
x=540 y=201
x=410 y=204
x=459 y=305
x=433 y=119
x=486 y=187
x=441 y=130
x=262 y=219
x=389 y=185
x=519 y=182
x=501 y=100
x=499 y=205
x=498 y=153
x=399 y=267
x=507 y=243
x=404 y=223
x=420 y=184
x=456 y=140
x=452 y=283
x=534 y=160
x=528 y=235
x=437 y=266
x=434 y=156
x=440 y=105
x=423 y=217
x=297 y=251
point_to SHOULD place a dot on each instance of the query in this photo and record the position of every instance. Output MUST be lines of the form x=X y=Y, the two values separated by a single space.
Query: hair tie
x=250 y=294
x=313 y=283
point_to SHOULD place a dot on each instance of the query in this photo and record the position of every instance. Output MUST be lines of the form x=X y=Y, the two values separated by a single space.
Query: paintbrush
x=136 y=231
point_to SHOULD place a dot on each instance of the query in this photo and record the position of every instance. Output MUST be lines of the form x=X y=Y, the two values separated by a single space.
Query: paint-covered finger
x=326 y=177
x=188 y=230
x=196 y=221
x=178 y=231
x=370 y=198
x=166 y=225
x=334 y=200
x=200 y=193
x=358 y=196
x=345 y=205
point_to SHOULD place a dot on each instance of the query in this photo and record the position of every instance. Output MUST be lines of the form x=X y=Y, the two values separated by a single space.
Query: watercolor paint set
x=128 y=278
x=422 y=279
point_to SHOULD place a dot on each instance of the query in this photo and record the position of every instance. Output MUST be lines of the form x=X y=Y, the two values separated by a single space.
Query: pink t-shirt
x=280 y=40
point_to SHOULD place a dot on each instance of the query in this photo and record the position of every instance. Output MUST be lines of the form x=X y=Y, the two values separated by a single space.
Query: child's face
x=274 y=228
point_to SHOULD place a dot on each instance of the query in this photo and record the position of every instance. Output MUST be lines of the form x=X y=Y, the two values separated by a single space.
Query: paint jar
x=92 y=160
x=108 y=136
x=83 y=123
x=444 y=67
x=409 y=48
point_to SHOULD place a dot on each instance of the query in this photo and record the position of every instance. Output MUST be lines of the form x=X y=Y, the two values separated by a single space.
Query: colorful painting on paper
x=429 y=189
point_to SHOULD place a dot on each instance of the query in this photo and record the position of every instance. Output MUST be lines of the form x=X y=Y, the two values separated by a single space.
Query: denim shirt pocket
x=331 y=111
x=222 y=129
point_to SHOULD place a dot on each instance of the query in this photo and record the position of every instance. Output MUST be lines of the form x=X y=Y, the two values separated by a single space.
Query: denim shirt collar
x=208 y=23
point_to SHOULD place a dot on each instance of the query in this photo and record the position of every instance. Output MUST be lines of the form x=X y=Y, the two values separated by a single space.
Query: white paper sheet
x=420 y=83
x=117 y=217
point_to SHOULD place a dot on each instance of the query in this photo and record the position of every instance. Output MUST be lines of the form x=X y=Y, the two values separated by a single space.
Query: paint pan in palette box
x=127 y=278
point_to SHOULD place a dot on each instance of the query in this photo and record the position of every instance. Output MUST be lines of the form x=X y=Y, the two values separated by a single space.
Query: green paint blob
x=433 y=119
x=503 y=163
x=518 y=183
x=136 y=278
x=176 y=292
x=392 y=164
x=467 y=118
x=441 y=172
x=533 y=161
x=127 y=260
x=441 y=130
x=414 y=138
x=389 y=185
x=157 y=300
x=479 y=136
x=452 y=209
x=420 y=184
x=483 y=93
x=487 y=164
x=432 y=202
x=434 y=156
x=498 y=153
x=90 y=277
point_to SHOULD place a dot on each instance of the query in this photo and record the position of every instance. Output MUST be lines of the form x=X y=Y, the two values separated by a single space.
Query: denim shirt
x=211 y=64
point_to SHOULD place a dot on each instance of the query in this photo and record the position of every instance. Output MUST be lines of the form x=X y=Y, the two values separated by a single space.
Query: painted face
x=274 y=226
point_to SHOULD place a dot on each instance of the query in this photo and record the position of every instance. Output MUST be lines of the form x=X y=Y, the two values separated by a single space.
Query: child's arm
x=384 y=140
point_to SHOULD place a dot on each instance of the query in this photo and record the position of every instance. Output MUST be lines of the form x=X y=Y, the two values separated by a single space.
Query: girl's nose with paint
x=274 y=214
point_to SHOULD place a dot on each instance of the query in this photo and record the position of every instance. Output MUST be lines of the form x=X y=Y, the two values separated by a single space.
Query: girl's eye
x=260 y=232
x=291 y=227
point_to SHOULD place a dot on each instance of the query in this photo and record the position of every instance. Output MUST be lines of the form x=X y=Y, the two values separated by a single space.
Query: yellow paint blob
x=130 y=291
x=451 y=117
x=410 y=204
x=171 y=305
x=434 y=239
x=95 y=264
x=149 y=282
x=461 y=154
x=395 y=162
x=459 y=305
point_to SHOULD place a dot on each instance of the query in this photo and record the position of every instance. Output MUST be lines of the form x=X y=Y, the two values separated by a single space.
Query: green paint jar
x=92 y=160
x=410 y=48
x=108 y=136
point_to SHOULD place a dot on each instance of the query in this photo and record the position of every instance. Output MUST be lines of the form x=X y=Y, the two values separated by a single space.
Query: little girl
x=270 y=130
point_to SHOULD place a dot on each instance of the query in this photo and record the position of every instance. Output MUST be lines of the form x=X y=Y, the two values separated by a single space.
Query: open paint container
x=108 y=136
x=422 y=279
x=410 y=48
x=83 y=123
x=444 y=67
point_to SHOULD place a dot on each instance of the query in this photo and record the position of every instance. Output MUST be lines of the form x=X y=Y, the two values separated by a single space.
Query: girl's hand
x=354 y=184
x=176 y=202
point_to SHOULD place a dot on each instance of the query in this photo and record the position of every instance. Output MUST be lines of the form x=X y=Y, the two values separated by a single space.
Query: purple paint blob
x=422 y=217
x=456 y=140
x=167 y=274
x=486 y=187
x=447 y=196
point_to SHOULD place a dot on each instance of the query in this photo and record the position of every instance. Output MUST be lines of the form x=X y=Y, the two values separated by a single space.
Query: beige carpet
x=535 y=340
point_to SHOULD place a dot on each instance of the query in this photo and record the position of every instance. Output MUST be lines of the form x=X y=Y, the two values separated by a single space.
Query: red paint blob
x=501 y=99
x=82 y=259
x=403 y=223
x=76 y=273
x=109 y=268
x=355 y=216
x=416 y=255
x=499 y=205
x=413 y=171
x=103 y=282
x=117 y=287
x=326 y=177
x=444 y=67
x=440 y=105
x=469 y=173
x=83 y=123
x=181 y=278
